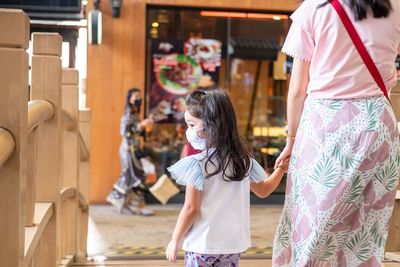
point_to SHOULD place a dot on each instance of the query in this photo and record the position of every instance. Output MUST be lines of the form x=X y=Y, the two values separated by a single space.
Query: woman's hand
x=146 y=124
x=172 y=249
x=285 y=164
x=287 y=151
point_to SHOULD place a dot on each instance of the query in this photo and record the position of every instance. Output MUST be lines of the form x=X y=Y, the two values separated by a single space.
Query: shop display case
x=237 y=50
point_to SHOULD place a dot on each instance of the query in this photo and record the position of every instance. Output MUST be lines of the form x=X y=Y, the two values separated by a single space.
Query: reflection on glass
x=251 y=67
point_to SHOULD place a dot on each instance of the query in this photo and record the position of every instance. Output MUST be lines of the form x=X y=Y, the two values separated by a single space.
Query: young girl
x=214 y=223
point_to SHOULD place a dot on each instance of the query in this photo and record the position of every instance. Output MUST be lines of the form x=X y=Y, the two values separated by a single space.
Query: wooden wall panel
x=113 y=67
x=118 y=64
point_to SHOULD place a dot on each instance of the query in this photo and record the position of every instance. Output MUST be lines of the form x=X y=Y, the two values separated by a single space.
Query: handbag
x=164 y=189
x=362 y=50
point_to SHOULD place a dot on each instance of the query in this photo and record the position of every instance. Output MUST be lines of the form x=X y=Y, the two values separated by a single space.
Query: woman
x=126 y=191
x=342 y=137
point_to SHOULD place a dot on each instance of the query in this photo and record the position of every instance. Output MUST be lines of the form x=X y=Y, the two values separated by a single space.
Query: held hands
x=287 y=151
x=284 y=164
x=172 y=249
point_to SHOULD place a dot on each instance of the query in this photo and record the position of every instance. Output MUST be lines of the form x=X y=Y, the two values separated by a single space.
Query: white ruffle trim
x=291 y=55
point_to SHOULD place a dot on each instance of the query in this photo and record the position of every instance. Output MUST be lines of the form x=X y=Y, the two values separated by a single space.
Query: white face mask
x=196 y=142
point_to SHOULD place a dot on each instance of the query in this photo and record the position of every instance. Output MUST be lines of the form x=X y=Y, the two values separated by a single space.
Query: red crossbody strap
x=360 y=46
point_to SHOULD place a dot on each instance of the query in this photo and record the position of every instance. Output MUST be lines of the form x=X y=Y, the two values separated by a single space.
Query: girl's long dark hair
x=359 y=8
x=225 y=147
x=128 y=106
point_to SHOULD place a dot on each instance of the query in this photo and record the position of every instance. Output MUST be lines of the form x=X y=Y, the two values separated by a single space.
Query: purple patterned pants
x=211 y=260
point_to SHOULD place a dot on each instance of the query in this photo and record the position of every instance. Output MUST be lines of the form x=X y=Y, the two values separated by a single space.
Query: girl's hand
x=285 y=164
x=287 y=151
x=172 y=249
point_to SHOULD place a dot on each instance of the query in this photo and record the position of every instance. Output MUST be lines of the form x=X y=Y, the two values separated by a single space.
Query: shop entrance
x=187 y=49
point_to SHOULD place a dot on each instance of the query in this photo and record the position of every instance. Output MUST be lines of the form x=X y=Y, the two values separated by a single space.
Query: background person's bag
x=150 y=171
x=164 y=189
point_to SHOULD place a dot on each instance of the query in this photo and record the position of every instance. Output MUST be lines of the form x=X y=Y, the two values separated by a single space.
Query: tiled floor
x=109 y=229
x=163 y=263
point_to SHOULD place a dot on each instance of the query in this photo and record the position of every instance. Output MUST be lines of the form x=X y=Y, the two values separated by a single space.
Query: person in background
x=127 y=192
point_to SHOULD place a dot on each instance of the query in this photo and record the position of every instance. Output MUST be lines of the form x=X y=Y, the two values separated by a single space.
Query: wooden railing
x=44 y=155
x=7 y=145
x=393 y=241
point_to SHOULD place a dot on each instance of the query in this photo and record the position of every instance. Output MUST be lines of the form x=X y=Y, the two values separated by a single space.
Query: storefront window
x=239 y=51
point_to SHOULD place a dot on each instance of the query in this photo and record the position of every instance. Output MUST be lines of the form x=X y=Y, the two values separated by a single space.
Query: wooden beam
x=395 y=98
x=7 y=145
x=67 y=193
x=71 y=159
x=30 y=193
x=46 y=85
x=39 y=111
x=260 y=5
x=67 y=261
x=47 y=44
x=68 y=121
x=13 y=116
x=393 y=256
x=84 y=183
x=43 y=214
x=84 y=151
x=14 y=28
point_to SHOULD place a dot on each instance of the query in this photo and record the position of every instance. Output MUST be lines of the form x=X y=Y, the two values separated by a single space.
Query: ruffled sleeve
x=187 y=171
x=257 y=173
x=300 y=41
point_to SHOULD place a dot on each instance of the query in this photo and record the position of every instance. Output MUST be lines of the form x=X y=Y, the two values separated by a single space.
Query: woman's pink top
x=337 y=70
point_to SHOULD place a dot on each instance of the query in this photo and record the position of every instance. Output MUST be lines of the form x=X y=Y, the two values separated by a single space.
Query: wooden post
x=30 y=197
x=84 y=185
x=393 y=241
x=14 y=38
x=395 y=98
x=46 y=84
x=70 y=103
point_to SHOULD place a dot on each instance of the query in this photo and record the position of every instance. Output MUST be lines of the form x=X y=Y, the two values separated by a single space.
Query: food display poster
x=177 y=68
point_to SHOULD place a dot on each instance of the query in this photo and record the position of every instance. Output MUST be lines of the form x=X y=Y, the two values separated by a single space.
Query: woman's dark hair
x=223 y=141
x=128 y=106
x=380 y=8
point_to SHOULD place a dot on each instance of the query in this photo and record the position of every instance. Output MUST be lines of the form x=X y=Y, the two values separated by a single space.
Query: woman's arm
x=124 y=124
x=266 y=187
x=296 y=97
x=297 y=94
x=186 y=218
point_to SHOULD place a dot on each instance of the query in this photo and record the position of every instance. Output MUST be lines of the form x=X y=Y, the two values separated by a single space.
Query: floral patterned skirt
x=341 y=186
x=211 y=260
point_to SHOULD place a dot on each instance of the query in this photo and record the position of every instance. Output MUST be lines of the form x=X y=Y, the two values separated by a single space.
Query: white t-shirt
x=223 y=224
